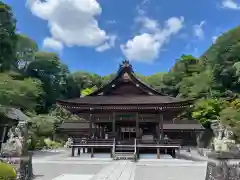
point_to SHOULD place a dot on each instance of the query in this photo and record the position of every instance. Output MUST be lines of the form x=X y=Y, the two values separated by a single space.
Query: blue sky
x=95 y=36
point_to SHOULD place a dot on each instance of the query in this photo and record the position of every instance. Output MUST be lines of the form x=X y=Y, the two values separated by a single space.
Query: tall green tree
x=25 y=51
x=108 y=78
x=185 y=67
x=88 y=91
x=206 y=110
x=86 y=80
x=222 y=57
x=7 y=37
x=48 y=68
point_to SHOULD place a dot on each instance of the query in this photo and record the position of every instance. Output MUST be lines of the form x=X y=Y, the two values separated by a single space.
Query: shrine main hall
x=130 y=112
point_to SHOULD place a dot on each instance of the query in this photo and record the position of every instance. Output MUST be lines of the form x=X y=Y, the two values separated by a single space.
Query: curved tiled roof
x=123 y=100
x=125 y=75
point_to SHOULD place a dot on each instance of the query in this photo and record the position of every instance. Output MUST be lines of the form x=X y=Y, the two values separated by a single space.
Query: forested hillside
x=32 y=80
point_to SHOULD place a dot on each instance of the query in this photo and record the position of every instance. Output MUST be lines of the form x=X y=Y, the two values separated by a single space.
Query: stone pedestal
x=223 y=166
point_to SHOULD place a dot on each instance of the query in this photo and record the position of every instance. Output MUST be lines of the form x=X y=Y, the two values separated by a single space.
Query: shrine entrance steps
x=124 y=152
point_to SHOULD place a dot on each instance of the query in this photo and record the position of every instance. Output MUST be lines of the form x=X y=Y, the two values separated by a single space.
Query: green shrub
x=31 y=143
x=40 y=143
x=7 y=171
x=52 y=144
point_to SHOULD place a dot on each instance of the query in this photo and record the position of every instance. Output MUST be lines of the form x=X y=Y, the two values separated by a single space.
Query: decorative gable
x=125 y=83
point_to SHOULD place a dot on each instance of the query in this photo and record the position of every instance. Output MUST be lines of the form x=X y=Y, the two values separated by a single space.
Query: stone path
x=122 y=170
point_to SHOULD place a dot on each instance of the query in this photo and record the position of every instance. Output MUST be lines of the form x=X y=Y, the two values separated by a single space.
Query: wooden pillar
x=158 y=139
x=137 y=126
x=97 y=130
x=90 y=126
x=114 y=124
x=158 y=153
x=92 y=152
x=100 y=131
x=173 y=153
x=158 y=132
x=91 y=130
x=73 y=151
x=161 y=127
x=103 y=131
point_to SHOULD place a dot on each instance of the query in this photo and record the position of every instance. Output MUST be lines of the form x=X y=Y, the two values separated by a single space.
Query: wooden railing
x=170 y=141
x=113 y=148
x=135 y=150
x=79 y=143
x=100 y=141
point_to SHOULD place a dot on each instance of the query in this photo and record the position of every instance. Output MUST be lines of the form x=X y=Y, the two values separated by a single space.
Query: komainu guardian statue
x=16 y=149
x=222 y=141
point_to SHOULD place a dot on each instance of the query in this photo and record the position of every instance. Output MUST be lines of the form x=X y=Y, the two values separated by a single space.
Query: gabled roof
x=14 y=114
x=125 y=89
x=125 y=74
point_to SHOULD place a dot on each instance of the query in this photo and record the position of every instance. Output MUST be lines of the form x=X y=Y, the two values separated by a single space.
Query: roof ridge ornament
x=125 y=64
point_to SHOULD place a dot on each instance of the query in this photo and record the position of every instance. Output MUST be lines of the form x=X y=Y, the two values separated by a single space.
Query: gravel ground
x=59 y=166
x=48 y=171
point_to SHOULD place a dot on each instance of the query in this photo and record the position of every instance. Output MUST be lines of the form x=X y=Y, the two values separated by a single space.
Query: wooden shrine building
x=128 y=109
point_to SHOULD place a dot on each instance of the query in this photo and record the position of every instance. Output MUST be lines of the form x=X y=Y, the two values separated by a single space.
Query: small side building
x=8 y=119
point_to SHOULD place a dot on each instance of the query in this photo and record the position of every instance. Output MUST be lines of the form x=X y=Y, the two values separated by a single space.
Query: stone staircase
x=124 y=152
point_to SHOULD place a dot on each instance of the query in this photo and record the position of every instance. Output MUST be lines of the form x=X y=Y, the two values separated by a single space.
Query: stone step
x=123 y=155
x=125 y=152
x=124 y=149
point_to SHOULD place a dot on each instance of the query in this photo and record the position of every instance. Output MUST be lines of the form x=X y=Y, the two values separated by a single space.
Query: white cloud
x=198 y=30
x=147 y=23
x=71 y=22
x=230 y=4
x=214 y=38
x=146 y=46
x=145 y=2
x=111 y=22
x=107 y=45
x=52 y=44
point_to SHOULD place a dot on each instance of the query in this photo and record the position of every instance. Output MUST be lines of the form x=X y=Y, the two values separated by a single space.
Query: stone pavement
x=63 y=167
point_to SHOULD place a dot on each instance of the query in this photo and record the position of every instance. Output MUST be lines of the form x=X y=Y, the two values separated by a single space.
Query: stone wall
x=222 y=168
